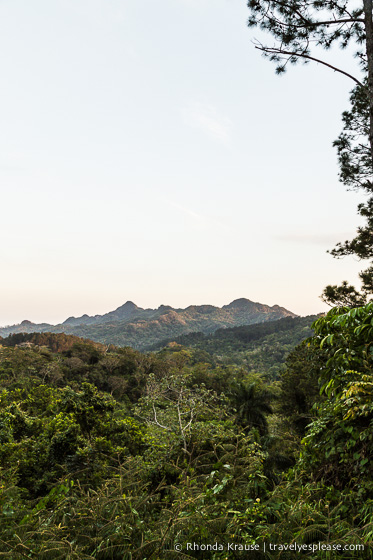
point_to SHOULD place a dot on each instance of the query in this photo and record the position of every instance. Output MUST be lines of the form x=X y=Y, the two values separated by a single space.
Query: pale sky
x=149 y=153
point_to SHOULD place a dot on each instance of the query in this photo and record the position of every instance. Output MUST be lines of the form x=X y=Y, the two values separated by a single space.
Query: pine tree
x=301 y=28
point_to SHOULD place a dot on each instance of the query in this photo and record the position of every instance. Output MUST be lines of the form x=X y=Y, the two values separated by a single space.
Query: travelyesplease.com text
x=266 y=546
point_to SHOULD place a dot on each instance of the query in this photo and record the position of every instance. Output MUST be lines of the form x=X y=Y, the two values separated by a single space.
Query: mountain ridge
x=130 y=325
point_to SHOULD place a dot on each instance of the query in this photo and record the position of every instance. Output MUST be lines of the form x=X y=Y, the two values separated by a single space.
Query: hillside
x=262 y=347
x=130 y=325
x=94 y=441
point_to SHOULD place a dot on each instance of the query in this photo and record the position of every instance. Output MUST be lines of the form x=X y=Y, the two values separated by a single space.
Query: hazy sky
x=149 y=153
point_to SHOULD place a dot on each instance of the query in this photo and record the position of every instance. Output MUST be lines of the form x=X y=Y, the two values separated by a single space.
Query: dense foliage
x=107 y=453
x=263 y=347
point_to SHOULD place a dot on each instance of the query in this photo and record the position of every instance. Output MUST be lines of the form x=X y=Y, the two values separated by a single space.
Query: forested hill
x=107 y=452
x=262 y=347
x=130 y=325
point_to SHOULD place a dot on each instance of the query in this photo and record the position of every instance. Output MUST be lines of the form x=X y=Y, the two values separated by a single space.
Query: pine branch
x=274 y=50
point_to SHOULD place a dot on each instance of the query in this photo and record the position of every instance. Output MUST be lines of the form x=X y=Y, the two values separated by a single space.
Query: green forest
x=108 y=453
x=262 y=347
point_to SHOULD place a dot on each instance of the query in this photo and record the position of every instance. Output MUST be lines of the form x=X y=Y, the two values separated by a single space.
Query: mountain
x=261 y=347
x=130 y=325
x=123 y=313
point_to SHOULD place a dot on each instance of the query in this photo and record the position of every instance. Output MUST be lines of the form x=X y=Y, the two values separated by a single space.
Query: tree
x=344 y=295
x=173 y=407
x=339 y=443
x=252 y=405
x=299 y=386
x=301 y=29
x=354 y=155
x=301 y=25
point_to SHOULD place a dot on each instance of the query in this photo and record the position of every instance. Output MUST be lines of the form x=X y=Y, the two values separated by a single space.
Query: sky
x=149 y=153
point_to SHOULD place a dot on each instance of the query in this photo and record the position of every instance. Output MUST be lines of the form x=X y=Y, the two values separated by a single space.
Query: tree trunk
x=369 y=51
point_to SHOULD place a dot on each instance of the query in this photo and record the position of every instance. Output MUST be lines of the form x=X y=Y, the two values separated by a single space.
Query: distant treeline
x=240 y=336
x=56 y=342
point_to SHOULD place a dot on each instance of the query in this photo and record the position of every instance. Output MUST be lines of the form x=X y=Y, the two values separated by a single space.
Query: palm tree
x=251 y=406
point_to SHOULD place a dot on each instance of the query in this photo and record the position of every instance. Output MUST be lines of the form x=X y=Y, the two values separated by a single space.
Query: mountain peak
x=164 y=308
x=128 y=305
x=239 y=303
